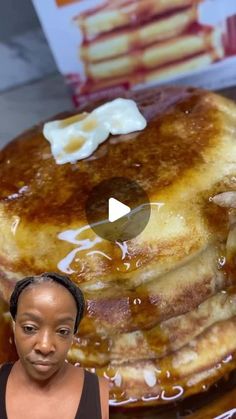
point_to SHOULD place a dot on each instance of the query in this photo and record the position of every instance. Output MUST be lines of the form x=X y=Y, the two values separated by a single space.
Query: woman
x=46 y=312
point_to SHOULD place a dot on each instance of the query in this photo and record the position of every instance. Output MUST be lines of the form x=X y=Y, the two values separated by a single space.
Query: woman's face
x=44 y=328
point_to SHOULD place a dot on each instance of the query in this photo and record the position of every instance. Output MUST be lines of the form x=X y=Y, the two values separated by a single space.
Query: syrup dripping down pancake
x=166 y=296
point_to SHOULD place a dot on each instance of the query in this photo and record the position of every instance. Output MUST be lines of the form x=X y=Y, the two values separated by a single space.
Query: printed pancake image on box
x=160 y=321
x=129 y=44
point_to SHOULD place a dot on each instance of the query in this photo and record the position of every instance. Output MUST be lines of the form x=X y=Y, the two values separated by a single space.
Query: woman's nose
x=45 y=343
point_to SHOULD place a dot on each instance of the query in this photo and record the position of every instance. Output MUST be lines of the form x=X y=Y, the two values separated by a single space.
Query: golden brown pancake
x=161 y=312
x=224 y=405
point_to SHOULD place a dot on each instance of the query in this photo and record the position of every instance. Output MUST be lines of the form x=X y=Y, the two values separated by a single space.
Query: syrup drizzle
x=72 y=236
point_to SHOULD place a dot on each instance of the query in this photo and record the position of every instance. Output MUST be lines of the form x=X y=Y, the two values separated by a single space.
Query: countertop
x=24 y=106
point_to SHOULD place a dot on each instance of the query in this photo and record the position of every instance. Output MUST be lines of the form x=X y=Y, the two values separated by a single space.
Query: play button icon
x=118 y=209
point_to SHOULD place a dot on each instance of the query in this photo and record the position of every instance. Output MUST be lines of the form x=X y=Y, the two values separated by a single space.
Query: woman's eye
x=29 y=329
x=64 y=332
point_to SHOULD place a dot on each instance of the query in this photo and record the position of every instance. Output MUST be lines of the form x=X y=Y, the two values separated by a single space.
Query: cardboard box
x=101 y=46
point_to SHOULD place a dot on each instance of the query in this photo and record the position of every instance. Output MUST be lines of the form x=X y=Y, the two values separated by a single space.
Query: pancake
x=191 y=369
x=176 y=69
x=114 y=44
x=156 y=342
x=224 y=404
x=160 y=321
x=113 y=15
x=156 y=55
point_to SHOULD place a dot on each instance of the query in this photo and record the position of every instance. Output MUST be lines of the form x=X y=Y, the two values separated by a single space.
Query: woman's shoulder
x=104 y=384
x=104 y=396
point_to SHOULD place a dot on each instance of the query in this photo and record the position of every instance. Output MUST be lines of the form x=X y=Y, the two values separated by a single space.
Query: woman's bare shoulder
x=104 y=396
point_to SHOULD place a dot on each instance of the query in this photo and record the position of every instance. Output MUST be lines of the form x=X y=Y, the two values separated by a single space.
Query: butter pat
x=77 y=137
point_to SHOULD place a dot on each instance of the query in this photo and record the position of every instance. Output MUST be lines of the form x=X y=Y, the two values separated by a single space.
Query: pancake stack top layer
x=161 y=308
x=128 y=42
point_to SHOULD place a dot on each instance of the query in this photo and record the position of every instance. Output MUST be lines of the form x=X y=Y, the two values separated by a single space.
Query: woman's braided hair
x=49 y=277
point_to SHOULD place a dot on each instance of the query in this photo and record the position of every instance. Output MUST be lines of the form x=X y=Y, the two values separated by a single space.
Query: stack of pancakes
x=161 y=308
x=126 y=42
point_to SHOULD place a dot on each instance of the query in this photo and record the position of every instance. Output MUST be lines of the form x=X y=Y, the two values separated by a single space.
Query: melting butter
x=77 y=137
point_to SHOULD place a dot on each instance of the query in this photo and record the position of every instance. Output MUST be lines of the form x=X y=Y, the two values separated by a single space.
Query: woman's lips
x=42 y=366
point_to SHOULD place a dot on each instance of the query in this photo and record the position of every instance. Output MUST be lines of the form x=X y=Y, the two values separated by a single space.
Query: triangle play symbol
x=116 y=209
